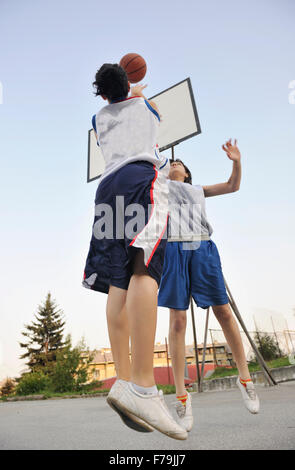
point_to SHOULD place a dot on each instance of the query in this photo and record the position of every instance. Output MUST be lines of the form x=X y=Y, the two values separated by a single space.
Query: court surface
x=221 y=422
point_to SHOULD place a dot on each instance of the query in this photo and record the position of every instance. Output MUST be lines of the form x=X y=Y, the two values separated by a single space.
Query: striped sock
x=244 y=382
x=182 y=398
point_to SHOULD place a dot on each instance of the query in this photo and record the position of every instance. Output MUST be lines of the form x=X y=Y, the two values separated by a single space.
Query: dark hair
x=187 y=179
x=111 y=81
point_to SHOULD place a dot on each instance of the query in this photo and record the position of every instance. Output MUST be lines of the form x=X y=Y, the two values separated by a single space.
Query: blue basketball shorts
x=194 y=272
x=112 y=248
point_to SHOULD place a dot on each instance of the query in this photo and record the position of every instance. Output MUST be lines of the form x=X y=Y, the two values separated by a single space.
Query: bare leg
x=231 y=332
x=141 y=304
x=177 y=328
x=119 y=331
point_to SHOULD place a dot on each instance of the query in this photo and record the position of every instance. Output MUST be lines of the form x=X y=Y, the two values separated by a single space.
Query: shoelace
x=180 y=408
x=251 y=393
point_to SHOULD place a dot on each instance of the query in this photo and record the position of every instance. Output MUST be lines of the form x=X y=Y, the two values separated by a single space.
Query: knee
x=178 y=322
x=117 y=319
x=223 y=312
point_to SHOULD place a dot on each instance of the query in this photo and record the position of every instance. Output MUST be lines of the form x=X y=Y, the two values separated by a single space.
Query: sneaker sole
x=130 y=420
x=125 y=411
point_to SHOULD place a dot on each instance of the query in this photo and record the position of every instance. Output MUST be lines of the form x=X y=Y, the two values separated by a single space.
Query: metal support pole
x=214 y=352
x=290 y=336
x=260 y=359
x=287 y=342
x=172 y=153
x=204 y=349
x=278 y=346
x=195 y=343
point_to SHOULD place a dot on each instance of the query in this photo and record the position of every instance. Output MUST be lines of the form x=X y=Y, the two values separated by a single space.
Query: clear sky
x=240 y=58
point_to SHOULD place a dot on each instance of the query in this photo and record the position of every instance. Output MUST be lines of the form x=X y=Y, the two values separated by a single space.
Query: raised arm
x=137 y=91
x=233 y=184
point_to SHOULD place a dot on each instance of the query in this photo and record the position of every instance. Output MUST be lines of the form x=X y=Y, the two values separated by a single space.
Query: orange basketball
x=135 y=67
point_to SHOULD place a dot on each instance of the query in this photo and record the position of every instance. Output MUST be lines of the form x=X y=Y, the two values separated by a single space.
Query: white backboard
x=96 y=163
x=179 y=121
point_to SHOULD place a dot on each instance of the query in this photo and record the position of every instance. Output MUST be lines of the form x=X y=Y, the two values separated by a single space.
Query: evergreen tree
x=72 y=367
x=45 y=337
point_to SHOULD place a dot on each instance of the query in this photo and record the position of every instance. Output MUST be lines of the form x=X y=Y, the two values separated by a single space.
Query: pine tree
x=45 y=337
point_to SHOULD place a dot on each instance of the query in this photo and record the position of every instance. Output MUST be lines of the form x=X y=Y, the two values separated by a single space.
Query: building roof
x=103 y=355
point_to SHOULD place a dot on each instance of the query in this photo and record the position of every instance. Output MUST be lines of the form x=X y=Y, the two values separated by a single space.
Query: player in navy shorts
x=192 y=267
x=127 y=247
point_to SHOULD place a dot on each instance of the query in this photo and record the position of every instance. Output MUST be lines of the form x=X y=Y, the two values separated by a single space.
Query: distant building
x=102 y=366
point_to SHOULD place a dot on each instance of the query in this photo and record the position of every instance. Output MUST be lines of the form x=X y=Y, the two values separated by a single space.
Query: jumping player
x=192 y=267
x=124 y=262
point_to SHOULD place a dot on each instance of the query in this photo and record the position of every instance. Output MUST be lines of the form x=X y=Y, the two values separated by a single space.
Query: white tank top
x=127 y=131
x=188 y=219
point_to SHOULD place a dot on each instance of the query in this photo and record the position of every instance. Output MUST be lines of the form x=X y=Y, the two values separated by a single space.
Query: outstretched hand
x=232 y=151
x=137 y=90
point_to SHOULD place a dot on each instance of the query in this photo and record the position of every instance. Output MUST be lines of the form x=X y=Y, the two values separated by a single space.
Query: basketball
x=135 y=67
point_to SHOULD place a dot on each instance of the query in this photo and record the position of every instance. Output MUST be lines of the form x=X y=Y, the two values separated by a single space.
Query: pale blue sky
x=240 y=58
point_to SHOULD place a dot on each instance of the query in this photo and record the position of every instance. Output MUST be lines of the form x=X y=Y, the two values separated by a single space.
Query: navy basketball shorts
x=192 y=272
x=131 y=212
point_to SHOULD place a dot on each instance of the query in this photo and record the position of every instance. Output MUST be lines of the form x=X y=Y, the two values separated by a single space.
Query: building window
x=96 y=374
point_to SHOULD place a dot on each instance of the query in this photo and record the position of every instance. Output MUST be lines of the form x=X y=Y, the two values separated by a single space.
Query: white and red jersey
x=188 y=219
x=127 y=131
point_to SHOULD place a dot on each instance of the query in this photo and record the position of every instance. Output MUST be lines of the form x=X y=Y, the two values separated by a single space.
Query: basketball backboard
x=179 y=121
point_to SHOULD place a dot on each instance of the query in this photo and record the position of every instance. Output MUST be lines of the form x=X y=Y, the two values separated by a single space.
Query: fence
x=284 y=340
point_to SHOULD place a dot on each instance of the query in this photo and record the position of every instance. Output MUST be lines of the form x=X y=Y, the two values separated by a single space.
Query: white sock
x=145 y=390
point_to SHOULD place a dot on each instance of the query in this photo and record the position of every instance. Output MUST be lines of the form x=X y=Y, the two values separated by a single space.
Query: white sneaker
x=151 y=409
x=185 y=413
x=130 y=420
x=249 y=395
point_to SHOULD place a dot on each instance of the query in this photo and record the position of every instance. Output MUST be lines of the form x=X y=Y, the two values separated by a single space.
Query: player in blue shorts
x=192 y=267
x=126 y=253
